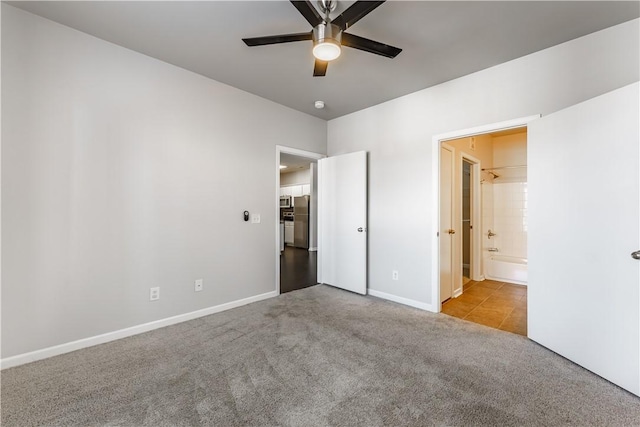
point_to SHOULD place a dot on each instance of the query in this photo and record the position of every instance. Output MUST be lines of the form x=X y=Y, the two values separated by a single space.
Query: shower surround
x=505 y=214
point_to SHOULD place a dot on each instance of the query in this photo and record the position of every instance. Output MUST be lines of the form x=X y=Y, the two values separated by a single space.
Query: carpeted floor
x=317 y=356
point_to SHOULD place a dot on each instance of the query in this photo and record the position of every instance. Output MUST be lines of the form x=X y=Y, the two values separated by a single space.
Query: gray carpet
x=317 y=356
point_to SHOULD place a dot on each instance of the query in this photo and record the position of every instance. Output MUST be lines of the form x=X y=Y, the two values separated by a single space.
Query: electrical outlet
x=394 y=274
x=198 y=284
x=255 y=218
x=154 y=294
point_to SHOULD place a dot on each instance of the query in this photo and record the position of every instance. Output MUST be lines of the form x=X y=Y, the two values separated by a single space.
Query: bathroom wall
x=510 y=218
x=510 y=150
x=479 y=147
x=487 y=216
x=510 y=195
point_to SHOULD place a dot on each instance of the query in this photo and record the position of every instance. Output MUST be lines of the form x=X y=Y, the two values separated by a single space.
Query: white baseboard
x=457 y=293
x=498 y=279
x=44 y=353
x=402 y=300
x=313 y=249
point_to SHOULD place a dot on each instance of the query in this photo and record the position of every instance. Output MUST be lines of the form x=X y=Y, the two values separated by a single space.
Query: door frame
x=475 y=234
x=436 y=140
x=296 y=152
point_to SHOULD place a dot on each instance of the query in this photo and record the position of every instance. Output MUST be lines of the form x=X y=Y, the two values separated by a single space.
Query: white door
x=584 y=224
x=342 y=208
x=446 y=221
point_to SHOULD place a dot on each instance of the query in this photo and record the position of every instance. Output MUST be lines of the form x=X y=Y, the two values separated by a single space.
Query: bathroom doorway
x=490 y=287
x=467 y=225
x=460 y=242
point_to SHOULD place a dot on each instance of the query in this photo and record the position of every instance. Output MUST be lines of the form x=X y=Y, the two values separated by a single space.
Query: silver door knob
x=635 y=255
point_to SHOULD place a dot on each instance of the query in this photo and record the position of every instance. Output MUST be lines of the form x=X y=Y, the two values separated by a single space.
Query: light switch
x=255 y=218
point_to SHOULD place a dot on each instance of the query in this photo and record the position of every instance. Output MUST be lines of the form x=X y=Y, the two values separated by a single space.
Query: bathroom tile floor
x=496 y=304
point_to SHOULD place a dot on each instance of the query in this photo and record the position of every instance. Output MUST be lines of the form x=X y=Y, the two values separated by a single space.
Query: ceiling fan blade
x=282 y=38
x=354 y=13
x=309 y=12
x=370 y=46
x=320 y=68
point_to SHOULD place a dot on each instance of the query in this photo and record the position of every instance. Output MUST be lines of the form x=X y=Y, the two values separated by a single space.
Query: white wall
x=295 y=178
x=398 y=136
x=119 y=173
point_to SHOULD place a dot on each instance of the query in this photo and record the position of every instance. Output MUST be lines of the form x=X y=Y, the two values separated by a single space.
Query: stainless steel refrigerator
x=301 y=222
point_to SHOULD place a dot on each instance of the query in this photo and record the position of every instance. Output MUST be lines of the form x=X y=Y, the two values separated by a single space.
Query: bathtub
x=506 y=269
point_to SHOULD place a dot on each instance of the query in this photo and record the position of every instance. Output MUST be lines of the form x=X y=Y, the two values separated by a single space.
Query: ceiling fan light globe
x=326 y=50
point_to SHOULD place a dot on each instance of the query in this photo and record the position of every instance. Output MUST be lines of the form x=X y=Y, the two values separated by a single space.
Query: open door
x=342 y=222
x=447 y=275
x=584 y=229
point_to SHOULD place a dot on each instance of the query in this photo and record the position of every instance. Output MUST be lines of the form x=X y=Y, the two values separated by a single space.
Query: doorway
x=496 y=297
x=467 y=226
x=341 y=242
x=469 y=195
x=481 y=292
x=460 y=241
x=296 y=219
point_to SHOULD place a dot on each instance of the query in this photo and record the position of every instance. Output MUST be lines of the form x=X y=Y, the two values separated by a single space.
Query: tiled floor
x=496 y=304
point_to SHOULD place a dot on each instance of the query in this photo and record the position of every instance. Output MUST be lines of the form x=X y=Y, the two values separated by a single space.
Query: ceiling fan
x=329 y=35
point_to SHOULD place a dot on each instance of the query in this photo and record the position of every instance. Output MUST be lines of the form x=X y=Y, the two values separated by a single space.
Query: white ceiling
x=440 y=41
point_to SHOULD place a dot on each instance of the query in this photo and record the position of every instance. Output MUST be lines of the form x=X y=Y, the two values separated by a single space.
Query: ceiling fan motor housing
x=326 y=41
x=327 y=33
